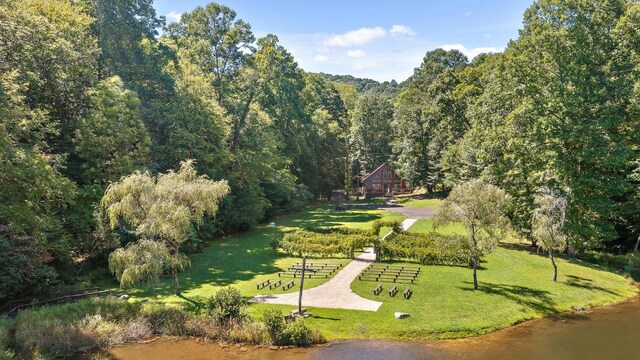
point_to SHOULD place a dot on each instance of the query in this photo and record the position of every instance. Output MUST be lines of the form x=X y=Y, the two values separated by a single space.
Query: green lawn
x=420 y=199
x=515 y=285
x=426 y=225
x=420 y=203
x=245 y=259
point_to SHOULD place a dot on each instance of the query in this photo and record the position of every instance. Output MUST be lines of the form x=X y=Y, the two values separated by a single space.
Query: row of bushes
x=428 y=249
x=629 y=263
x=325 y=242
x=89 y=325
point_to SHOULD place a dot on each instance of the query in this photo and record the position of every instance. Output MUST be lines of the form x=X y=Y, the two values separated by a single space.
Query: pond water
x=609 y=333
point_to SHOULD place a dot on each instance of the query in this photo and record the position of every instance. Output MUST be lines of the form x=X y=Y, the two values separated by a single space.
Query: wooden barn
x=384 y=181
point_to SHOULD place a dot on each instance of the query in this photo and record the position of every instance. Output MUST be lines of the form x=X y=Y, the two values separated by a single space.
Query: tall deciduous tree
x=481 y=208
x=217 y=42
x=429 y=118
x=581 y=83
x=33 y=198
x=370 y=133
x=163 y=210
x=548 y=224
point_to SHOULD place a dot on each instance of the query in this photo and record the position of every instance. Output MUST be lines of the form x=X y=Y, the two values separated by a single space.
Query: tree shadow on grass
x=572 y=260
x=225 y=262
x=523 y=247
x=584 y=283
x=244 y=256
x=326 y=318
x=538 y=300
x=323 y=218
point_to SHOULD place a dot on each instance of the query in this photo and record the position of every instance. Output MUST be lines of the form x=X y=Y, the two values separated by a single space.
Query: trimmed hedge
x=325 y=242
x=428 y=249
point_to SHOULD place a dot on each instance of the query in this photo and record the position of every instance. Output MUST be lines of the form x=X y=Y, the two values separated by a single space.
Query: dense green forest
x=91 y=91
x=390 y=88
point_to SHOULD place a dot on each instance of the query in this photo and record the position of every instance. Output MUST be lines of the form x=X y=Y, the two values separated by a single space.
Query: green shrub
x=252 y=332
x=227 y=304
x=166 y=320
x=6 y=354
x=6 y=338
x=324 y=242
x=274 y=321
x=430 y=248
x=297 y=333
x=274 y=243
x=293 y=333
x=630 y=263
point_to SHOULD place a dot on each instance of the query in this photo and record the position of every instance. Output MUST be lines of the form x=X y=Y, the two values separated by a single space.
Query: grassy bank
x=86 y=326
x=515 y=284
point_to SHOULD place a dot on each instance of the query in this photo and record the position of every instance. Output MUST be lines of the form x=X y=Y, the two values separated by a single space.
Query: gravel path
x=335 y=293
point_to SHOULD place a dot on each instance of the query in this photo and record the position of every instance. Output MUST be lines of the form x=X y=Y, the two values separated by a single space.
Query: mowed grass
x=426 y=225
x=515 y=286
x=420 y=199
x=420 y=203
x=246 y=259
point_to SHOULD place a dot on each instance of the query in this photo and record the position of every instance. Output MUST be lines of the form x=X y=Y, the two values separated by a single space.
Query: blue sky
x=375 y=39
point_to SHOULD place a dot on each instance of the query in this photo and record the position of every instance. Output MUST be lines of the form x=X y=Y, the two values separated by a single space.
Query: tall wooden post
x=304 y=265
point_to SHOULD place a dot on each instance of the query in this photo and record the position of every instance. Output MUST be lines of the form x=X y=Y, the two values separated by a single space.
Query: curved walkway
x=335 y=293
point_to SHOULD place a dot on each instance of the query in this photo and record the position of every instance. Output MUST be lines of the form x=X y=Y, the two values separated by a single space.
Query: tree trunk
x=637 y=244
x=174 y=277
x=475 y=275
x=555 y=267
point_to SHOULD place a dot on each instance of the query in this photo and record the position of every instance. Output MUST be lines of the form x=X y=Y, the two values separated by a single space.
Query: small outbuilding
x=383 y=181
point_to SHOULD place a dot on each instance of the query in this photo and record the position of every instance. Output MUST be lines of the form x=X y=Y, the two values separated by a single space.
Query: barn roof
x=375 y=171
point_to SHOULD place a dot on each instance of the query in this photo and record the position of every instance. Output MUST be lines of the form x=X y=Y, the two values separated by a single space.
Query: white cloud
x=361 y=65
x=356 y=53
x=397 y=30
x=356 y=37
x=386 y=58
x=470 y=53
x=173 y=16
x=320 y=58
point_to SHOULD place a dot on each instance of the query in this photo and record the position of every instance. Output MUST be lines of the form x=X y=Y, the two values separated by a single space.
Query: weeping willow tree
x=548 y=225
x=162 y=211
